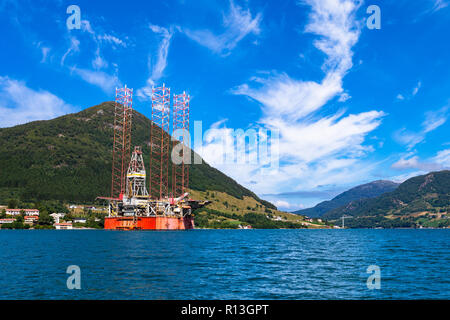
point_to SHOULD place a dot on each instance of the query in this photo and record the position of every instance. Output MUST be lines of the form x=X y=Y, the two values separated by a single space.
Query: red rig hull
x=149 y=223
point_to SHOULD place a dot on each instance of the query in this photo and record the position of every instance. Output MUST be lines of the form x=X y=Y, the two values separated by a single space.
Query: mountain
x=69 y=159
x=426 y=196
x=368 y=190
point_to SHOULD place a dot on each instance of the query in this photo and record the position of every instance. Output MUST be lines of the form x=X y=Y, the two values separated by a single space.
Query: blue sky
x=351 y=104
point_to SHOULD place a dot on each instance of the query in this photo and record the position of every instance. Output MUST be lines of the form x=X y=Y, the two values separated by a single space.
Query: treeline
x=385 y=223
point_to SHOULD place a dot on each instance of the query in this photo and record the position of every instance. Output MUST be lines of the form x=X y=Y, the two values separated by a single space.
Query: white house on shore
x=7 y=220
x=31 y=219
x=63 y=226
x=28 y=212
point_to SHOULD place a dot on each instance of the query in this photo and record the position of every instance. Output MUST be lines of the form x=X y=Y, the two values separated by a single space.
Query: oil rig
x=131 y=205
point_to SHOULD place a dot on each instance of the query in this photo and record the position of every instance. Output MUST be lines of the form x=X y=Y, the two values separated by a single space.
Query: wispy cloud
x=158 y=67
x=100 y=37
x=101 y=79
x=21 y=104
x=440 y=161
x=431 y=7
x=435 y=119
x=112 y=40
x=44 y=50
x=238 y=23
x=415 y=163
x=408 y=96
x=438 y=5
x=432 y=121
x=98 y=75
x=74 y=47
x=99 y=62
x=416 y=88
x=313 y=150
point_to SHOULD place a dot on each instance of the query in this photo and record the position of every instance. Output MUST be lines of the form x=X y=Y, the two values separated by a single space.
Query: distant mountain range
x=368 y=190
x=422 y=201
x=425 y=193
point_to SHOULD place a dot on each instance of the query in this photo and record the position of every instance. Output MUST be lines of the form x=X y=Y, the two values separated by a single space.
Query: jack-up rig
x=131 y=206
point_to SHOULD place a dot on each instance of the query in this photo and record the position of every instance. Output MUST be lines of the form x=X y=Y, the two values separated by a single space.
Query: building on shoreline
x=57 y=216
x=28 y=212
x=7 y=220
x=63 y=226
x=31 y=219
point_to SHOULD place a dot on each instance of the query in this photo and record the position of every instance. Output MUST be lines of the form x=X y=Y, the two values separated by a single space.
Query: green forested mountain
x=425 y=196
x=368 y=190
x=69 y=159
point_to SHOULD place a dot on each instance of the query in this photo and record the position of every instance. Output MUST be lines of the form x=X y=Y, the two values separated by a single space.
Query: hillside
x=69 y=159
x=226 y=211
x=368 y=190
x=418 y=198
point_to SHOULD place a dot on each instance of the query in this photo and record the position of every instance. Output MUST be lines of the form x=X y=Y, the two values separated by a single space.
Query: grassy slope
x=223 y=206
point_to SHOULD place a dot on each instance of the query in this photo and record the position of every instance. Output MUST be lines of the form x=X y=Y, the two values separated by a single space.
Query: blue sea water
x=225 y=264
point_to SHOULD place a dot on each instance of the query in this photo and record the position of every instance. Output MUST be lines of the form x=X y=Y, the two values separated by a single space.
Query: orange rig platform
x=144 y=214
x=135 y=210
x=149 y=223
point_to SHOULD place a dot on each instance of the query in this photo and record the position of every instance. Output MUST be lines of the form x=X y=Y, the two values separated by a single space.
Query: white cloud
x=112 y=39
x=416 y=88
x=438 y=5
x=238 y=23
x=334 y=21
x=86 y=27
x=289 y=98
x=157 y=69
x=403 y=177
x=440 y=161
x=344 y=97
x=44 y=50
x=432 y=121
x=101 y=79
x=408 y=138
x=20 y=104
x=443 y=158
x=335 y=135
x=313 y=150
x=414 y=91
x=99 y=62
x=107 y=82
x=414 y=163
x=435 y=119
x=74 y=47
x=281 y=204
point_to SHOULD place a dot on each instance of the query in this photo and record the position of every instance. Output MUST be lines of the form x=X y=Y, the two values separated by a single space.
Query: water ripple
x=225 y=264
